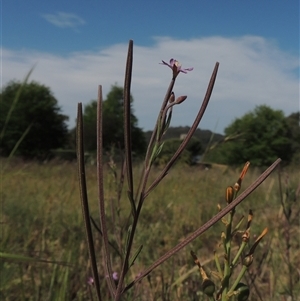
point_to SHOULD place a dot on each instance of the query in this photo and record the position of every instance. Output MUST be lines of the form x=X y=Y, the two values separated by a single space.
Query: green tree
x=170 y=146
x=35 y=112
x=113 y=124
x=265 y=136
x=293 y=121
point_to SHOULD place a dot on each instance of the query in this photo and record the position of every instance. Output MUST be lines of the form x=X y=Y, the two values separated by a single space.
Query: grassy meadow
x=41 y=218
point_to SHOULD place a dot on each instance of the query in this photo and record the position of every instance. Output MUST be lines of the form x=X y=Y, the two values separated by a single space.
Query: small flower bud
x=172 y=97
x=115 y=277
x=90 y=281
x=244 y=171
x=243 y=292
x=238 y=184
x=180 y=99
x=264 y=232
x=246 y=236
x=208 y=287
x=247 y=261
x=229 y=194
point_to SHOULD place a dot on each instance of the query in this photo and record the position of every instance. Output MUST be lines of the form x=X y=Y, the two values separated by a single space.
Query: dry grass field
x=41 y=218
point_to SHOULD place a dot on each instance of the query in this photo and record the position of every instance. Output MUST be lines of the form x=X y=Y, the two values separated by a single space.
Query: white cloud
x=64 y=20
x=253 y=71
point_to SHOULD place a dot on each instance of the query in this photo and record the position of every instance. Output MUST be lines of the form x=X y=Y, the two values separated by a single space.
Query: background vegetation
x=31 y=108
x=260 y=136
x=41 y=217
x=113 y=124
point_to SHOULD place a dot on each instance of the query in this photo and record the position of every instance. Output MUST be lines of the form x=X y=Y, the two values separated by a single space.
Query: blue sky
x=77 y=45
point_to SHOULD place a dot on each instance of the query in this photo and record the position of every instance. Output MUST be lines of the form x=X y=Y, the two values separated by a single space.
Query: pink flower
x=90 y=281
x=176 y=67
x=115 y=276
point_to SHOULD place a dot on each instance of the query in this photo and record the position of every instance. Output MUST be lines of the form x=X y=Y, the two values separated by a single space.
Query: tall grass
x=41 y=218
x=10 y=112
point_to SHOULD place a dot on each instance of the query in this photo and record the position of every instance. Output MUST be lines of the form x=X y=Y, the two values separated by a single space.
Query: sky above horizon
x=76 y=46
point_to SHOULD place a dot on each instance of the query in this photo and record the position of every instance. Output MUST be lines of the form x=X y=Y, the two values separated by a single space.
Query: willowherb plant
x=229 y=289
x=118 y=284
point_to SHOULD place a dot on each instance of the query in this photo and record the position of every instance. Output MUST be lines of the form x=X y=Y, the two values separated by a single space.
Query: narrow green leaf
x=128 y=235
x=20 y=140
x=14 y=103
x=134 y=257
x=159 y=129
x=167 y=124
x=132 y=203
x=156 y=151
x=152 y=158
x=217 y=261
x=113 y=244
x=239 y=223
x=15 y=257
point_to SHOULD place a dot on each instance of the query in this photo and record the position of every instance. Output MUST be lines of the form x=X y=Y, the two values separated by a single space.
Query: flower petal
x=164 y=63
x=172 y=62
x=176 y=67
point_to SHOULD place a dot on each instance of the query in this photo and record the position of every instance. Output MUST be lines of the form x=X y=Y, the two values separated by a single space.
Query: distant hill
x=203 y=135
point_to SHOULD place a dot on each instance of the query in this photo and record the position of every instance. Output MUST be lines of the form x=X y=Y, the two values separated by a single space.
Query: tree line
x=32 y=126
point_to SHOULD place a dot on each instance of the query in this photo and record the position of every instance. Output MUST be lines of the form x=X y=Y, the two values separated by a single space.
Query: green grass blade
x=15 y=101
